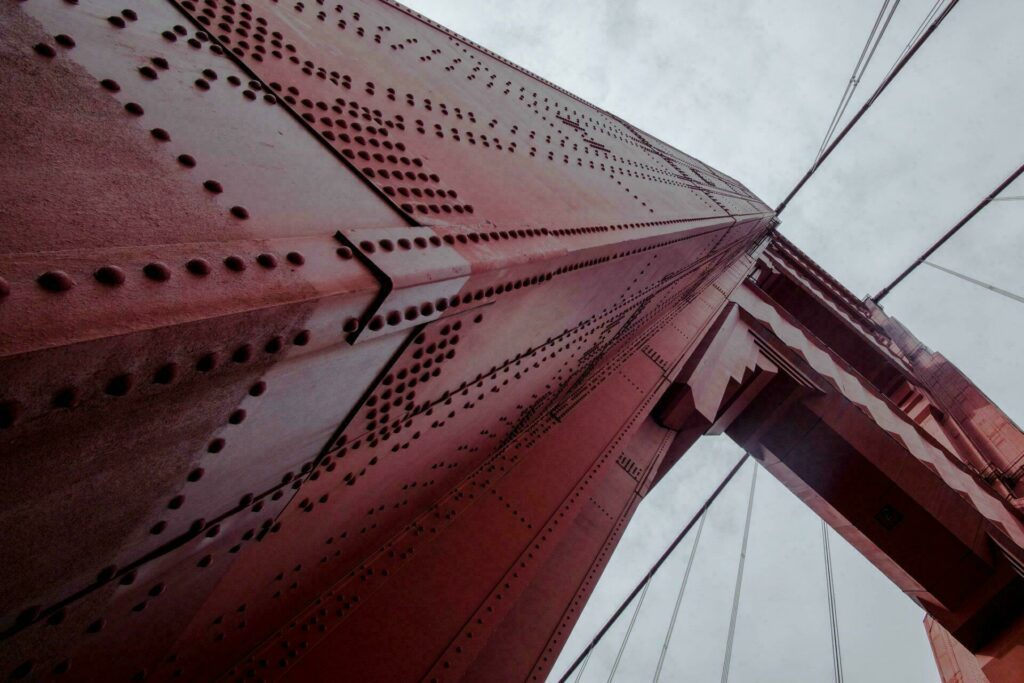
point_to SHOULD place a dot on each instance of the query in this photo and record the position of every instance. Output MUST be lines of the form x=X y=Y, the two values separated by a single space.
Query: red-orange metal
x=334 y=347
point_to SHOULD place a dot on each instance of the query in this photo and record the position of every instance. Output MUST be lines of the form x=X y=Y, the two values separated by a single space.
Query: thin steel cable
x=582 y=667
x=654 y=568
x=833 y=618
x=679 y=598
x=739 y=582
x=868 y=51
x=924 y=22
x=867 y=105
x=949 y=233
x=991 y=288
x=629 y=630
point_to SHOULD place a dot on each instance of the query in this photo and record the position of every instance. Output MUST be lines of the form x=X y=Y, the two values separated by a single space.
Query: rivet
x=10 y=411
x=134 y=108
x=237 y=417
x=202 y=84
x=196 y=474
x=116 y=21
x=216 y=446
x=302 y=338
x=148 y=72
x=258 y=388
x=198 y=266
x=186 y=160
x=166 y=374
x=110 y=274
x=55 y=281
x=66 y=398
x=274 y=345
x=159 y=62
x=163 y=136
x=157 y=271
x=344 y=252
x=295 y=258
x=5 y=288
x=45 y=50
x=176 y=502
x=239 y=212
x=119 y=385
x=207 y=362
x=267 y=260
x=242 y=354
x=235 y=263
x=213 y=186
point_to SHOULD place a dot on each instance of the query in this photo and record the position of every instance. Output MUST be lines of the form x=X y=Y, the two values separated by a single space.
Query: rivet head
x=45 y=50
x=213 y=186
x=242 y=354
x=198 y=266
x=166 y=374
x=267 y=260
x=119 y=385
x=235 y=263
x=68 y=397
x=110 y=84
x=10 y=411
x=239 y=212
x=295 y=258
x=163 y=136
x=5 y=288
x=109 y=275
x=55 y=281
x=160 y=272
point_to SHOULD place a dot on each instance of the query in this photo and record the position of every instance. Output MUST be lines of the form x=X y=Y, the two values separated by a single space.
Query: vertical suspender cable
x=629 y=630
x=583 y=666
x=650 y=572
x=679 y=599
x=837 y=653
x=867 y=105
x=739 y=582
x=858 y=70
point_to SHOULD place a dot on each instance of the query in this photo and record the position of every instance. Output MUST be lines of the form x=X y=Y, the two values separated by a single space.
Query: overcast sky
x=749 y=86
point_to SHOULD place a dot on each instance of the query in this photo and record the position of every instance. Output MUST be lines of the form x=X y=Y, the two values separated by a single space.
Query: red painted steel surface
x=334 y=347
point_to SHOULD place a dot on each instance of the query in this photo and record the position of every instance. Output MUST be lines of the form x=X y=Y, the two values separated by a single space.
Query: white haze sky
x=749 y=87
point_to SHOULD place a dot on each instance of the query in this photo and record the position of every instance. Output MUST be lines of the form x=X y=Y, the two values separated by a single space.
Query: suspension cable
x=629 y=630
x=679 y=598
x=870 y=45
x=924 y=22
x=837 y=653
x=654 y=568
x=952 y=231
x=739 y=583
x=867 y=105
x=582 y=668
x=991 y=288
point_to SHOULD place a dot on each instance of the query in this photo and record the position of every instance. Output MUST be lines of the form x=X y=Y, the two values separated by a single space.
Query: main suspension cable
x=949 y=233
x=654 y=568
